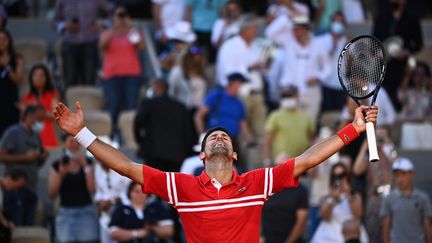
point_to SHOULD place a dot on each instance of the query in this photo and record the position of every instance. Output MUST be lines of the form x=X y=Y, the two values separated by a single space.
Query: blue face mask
x=37 y=126
x=337 y=27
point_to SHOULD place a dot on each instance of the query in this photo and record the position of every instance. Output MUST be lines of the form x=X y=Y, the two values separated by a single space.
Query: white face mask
x=289 y=103
x=337 y=27
x=37 y=126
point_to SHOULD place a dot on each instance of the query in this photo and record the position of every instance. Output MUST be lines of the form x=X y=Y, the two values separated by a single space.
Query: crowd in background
x=266 y=71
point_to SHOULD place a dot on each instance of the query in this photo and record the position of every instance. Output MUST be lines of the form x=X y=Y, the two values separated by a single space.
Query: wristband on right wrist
x=85 y=137
x=348 y=134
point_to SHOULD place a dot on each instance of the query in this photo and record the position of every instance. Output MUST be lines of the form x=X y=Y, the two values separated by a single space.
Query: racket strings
x=361 y=67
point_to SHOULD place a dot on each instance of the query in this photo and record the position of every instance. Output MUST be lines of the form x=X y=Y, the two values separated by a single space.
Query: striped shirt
x=212 y=212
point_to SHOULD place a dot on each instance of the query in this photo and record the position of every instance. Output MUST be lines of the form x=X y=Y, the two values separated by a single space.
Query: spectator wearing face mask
x=21 y=148
x=288 y=129
x=333 y=41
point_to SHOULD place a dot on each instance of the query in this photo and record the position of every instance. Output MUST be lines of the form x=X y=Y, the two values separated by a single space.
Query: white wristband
x=85 y=137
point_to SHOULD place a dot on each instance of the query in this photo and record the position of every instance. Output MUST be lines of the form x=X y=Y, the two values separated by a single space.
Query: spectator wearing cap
x=240 y=54
x=288 y=129
x=305 y=65
x=223 y=108
x=406 y=211
x=180 y=37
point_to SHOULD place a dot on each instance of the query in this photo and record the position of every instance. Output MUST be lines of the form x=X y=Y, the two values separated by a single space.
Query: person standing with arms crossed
x=219 y=205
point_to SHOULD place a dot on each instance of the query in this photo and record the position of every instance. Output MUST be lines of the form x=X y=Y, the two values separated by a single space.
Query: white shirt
x=387 y=113
x=302 y=63
x=353 y=11
x=171 y=11
x=277 y=10
x=190 y=164
x=326 y=41
x=221 y=30
x=235 y=55
x=110 y=184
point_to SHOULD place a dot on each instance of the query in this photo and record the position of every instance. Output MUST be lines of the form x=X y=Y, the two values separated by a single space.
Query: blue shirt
x=204 y=13
x=225 y=110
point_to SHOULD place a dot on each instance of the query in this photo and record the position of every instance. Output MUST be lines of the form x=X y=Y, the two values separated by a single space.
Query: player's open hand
x=360 y=120
x=68 y=121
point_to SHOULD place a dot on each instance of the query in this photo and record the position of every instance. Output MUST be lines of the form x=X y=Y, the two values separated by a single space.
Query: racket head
x=362 y=66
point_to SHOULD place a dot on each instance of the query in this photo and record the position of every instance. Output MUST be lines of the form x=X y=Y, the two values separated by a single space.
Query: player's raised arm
x=73 y=124
x=323 y=150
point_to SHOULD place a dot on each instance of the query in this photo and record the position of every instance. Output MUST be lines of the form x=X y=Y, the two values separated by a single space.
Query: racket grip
x=370 y=134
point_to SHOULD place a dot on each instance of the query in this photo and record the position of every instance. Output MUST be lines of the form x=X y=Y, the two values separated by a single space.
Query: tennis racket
x=361 y=70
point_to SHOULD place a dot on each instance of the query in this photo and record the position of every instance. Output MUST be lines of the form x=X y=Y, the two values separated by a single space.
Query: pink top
x=120 y=58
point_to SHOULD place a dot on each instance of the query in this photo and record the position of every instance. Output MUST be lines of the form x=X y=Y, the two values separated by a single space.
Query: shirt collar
x=206 y=179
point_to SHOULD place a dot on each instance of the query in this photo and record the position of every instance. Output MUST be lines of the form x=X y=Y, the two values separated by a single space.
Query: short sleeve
x=157 y=214
x=210 y=99
x=155 y=182
x=283 y=176
x=303 y=200
x=427 y=210
x=385 y=207
x=117 y=217
x=7 y=142
x=270 y=125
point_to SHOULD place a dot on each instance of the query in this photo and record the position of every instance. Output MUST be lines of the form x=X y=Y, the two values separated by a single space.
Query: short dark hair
x=210 y=131
x=29 y=110
x=16 y=174
x=236 y=77
x=130 y=187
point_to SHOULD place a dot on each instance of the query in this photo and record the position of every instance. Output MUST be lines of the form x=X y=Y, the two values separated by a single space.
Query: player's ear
x=202 y=155
x=234 y=156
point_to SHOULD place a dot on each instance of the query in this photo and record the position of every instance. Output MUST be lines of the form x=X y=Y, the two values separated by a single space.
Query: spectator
x=306 y=64
x=203 y=14
x=285 y=214
x=353 y=11
x=333 y=41
x=166 y=13
x=163 y=123
x=76 y=21
x=43 y=93
x=72 y=178
x=378 y=178
x=246 y=61
x=415 y=95
x=223 y=108
x=144 y=219
x=11 y=76
x=398 y=22
x=406 y=211
x=11 y=181
x=288 y=129
x=121 y=65
x=180 y=37
x=325 y=9
x=111 y=189
x=228 y=25
x=340 y=205
x=21 y=148
x=187 y=82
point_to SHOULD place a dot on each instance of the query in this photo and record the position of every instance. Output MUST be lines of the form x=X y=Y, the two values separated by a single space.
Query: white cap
x=403 y=164
x=182 y=31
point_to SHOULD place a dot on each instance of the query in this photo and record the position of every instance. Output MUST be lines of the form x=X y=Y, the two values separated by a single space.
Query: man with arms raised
x=219 y=205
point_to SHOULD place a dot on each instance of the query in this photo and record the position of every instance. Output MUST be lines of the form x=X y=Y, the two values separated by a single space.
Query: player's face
x=219 y=143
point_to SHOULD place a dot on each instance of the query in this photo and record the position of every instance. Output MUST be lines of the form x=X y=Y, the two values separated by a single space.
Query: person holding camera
x=71 y=177
x=121 y=71
x=340 y=205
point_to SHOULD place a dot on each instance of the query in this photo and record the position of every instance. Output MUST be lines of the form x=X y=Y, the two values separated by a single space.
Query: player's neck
x=220 y=170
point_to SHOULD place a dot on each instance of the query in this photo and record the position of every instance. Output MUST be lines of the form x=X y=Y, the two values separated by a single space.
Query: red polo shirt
x=212 y=212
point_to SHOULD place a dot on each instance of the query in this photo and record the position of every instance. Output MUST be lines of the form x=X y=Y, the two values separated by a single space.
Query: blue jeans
x=20 y=206
x=121 y=93
x=312 y=222
x=77 y=224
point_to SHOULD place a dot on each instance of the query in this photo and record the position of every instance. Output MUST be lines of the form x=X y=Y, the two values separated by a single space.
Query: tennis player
x=219 y=205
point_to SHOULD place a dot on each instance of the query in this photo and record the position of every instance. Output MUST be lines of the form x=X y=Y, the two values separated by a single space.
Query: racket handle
x=373 y=151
